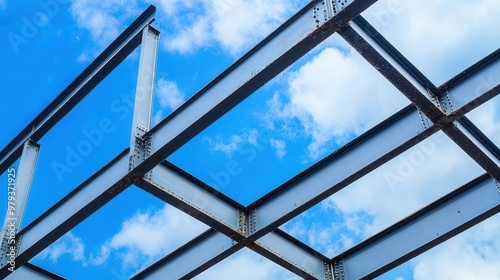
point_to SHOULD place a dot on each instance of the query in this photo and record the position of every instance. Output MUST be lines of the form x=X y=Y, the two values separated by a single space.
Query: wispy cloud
x=279 y=147
x=103 y=20
x=169 y=96
x=3 y=4
x=233 y=143
x=70 y=245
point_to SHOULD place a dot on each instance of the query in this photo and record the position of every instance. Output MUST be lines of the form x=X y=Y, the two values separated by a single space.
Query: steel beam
x=452 y=100
x=275 y=53
x=190 y=195
x=476 y=149
x=464 y=93
x=434 y=224
x=192 y=258
x=199 y=200
x=292 y=254
x=194 y=197
x=17 y=199
x=72 y=209
x=99 y=69
x=387 y=60
x=141 y=120
x=33 y=272
x=349 y=163
x=471 y=84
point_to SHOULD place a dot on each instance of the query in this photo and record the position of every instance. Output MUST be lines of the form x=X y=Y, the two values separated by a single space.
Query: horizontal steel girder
x=434 y=224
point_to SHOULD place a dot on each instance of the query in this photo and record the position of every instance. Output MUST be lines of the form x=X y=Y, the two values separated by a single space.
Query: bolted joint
x=442 y=102
x=329 y=275
x=252 y=222
x=338 y=269
x=242 y=223
x=247 y=222
x=142 y=150
x=327 y=9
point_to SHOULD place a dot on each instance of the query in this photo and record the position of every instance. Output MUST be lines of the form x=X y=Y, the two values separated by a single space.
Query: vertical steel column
x=19 y=184
x=140 y=146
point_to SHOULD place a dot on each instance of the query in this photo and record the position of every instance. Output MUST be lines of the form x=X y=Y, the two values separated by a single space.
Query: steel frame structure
x=234 y=226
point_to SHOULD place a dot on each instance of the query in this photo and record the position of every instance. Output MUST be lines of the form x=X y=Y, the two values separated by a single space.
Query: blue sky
x=305 y=113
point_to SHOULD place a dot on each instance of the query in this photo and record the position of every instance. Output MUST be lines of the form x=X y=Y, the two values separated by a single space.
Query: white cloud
x=149 y=235
x=104 y=20
x=68 y=244
x=169 y=94
x=142 y=239
x=335 y=96
x=279 y=147
x=245 y=265
x=470 y=255
x=434 y=35
x=235 y=142
x=230 y=24
x=83 y=57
